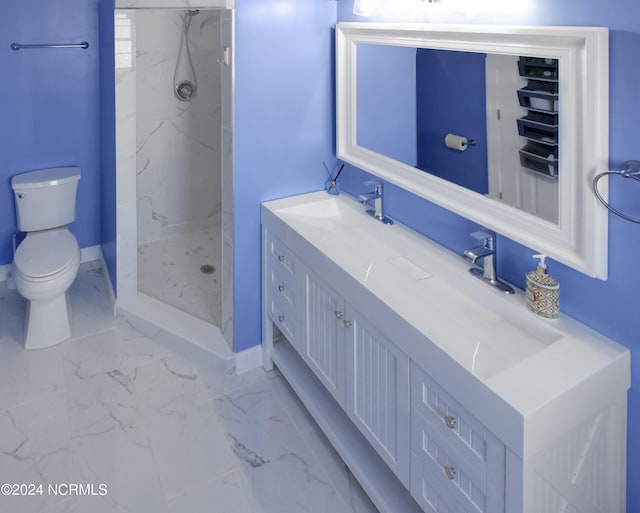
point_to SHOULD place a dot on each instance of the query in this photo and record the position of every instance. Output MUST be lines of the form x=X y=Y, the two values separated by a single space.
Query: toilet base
x=46 y=323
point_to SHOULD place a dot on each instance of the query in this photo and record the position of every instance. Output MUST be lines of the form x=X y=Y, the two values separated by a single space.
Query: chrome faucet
x=376 y=196
x=486 y=253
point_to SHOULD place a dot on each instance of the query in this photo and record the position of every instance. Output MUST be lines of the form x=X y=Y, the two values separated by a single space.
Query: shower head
x=193 y=12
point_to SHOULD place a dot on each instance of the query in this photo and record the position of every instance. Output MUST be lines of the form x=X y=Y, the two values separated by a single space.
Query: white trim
x=580 y=238
x=4 y=271
x=90 y=254
x=249 y=359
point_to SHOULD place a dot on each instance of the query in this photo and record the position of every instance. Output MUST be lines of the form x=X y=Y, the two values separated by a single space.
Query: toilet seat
x=43 y=255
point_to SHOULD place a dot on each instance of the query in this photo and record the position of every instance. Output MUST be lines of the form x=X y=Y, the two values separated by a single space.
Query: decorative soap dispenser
x=543 y=291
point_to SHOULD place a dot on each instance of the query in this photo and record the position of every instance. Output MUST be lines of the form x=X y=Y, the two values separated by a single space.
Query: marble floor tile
x=163 y=433
x=35 y=449
x=341 y=478
x=12 y=314
x=169 y=271
x=90 y=308
x=109 y=441
x=299 y=415
x=228 y=494
x=280 y=467
x=187 y=438
x=27 y=376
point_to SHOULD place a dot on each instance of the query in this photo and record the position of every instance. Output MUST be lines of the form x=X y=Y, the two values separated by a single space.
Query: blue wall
x=386 y=114
x=611 y=306
x=284 y=119
x=448 y=105
x=50 y=106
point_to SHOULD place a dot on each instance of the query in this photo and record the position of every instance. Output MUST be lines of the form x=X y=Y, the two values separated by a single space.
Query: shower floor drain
x=207 y=269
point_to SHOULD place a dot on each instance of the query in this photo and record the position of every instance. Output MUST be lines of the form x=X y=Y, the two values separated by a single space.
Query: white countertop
x=524 y=359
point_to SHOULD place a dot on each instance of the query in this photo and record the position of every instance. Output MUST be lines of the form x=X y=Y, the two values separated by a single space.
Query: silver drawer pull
x=347 y=323
x=450 y=472
x=281 y=258
x=281 y=318
x=281 y=288
x=338 y=314
x=450 y=421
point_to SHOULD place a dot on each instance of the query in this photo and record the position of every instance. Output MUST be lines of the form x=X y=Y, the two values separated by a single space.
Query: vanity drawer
x=280 y=256
x=438 y=464
x=446 y=417
x=285 y=317
x=283 y=284
x=455 y=460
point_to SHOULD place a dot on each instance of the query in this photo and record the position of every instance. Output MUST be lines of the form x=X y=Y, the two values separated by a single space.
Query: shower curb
x=179 y=331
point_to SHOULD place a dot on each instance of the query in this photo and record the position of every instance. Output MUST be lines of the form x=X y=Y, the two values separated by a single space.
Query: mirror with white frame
x=504 y=125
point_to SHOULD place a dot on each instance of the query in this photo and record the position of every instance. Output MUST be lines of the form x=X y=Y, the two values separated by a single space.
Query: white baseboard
x=249 y=359
x=88 y=254
x=4 y=270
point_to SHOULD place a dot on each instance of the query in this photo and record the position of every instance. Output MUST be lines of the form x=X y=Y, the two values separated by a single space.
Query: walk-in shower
x=173 y=98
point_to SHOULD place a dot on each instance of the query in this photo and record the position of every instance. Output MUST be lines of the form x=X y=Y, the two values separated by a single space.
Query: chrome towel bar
x=84 y=45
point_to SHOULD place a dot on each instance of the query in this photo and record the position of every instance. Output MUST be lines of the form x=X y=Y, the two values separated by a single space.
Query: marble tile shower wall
x=178 y=142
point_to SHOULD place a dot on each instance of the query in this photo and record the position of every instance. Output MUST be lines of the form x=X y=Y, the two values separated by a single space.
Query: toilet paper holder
x=458 y=142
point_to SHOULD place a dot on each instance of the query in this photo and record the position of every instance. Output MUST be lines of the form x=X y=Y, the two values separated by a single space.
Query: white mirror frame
x=580 y=238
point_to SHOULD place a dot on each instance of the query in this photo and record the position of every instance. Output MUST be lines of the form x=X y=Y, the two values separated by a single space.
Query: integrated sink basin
x=480 y=328
x=398 y=351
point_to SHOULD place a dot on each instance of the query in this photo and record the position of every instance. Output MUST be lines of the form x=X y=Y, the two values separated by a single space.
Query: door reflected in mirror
x=505 y=106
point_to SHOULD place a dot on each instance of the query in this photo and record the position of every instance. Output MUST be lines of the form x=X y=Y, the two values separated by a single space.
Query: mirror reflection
x=486 y=122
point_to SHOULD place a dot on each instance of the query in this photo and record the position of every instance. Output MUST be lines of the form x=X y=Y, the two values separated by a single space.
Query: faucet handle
x=486 y=236
x=377 y=186
x=482 y=234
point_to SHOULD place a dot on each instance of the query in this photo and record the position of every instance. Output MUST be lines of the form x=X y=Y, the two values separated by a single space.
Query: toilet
x=46 y=262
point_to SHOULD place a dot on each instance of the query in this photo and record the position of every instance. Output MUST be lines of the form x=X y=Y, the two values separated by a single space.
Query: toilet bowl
x=46 y=262
x=45 y=265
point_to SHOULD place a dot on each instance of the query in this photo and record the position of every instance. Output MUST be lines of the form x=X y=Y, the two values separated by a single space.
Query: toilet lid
x=45 y=253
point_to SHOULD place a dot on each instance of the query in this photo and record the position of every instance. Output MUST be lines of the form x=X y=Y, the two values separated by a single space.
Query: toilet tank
x=45 y=198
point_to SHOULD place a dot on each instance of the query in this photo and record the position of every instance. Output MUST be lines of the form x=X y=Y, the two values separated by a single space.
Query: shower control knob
x=281 y=318
x=347 y=323
x=281 y=288
x=338 y=314
x=281 y=258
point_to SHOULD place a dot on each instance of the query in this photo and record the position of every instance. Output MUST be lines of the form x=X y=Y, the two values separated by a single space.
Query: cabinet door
x=378 y=392
x=324 y=344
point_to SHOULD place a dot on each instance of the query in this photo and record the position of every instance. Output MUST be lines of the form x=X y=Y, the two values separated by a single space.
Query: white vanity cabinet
x=441 y=394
